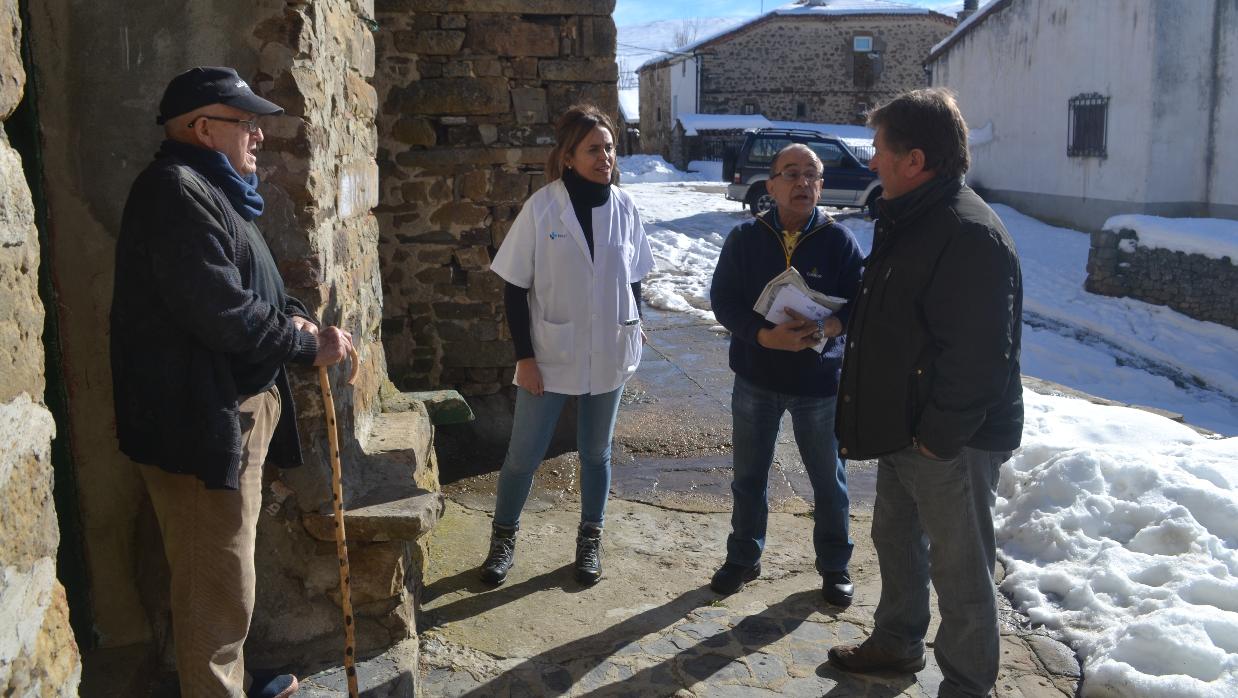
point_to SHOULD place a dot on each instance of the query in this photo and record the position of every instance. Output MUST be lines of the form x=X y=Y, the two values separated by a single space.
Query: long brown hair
x=572 y=128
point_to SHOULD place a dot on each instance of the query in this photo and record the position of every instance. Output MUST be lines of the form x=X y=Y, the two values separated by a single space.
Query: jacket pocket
x=629 y=347
x=919 y=387
x=553 y=342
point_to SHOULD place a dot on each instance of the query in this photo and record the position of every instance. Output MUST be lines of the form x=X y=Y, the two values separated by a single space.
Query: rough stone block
x=12 y=74
x=529 y=104
x=453 y=21
x=474 y=258
x=509 y=187
x=597 y=37
x=477 y=354
x=459 y=214
x=509 y=36
x=579 y=70
x=419 y=132
x=401 y=520
x=429 y=42
x=474 y=185
x=453 y=96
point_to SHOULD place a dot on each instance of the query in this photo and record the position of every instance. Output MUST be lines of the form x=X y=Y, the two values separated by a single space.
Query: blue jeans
x=532 y=428
x=756 y=418
x=934 y=520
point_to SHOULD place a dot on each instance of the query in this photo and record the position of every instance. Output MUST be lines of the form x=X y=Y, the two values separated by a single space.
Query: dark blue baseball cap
x=198 y=87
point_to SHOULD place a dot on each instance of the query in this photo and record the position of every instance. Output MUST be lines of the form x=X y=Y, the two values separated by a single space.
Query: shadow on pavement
x=549 y=671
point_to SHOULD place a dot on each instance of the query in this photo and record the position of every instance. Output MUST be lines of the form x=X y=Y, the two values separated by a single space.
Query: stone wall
x=469 y=94
x=655 y=111
x=1197 y=286
x=38 y=656
x=802 y=68
x=320 y=181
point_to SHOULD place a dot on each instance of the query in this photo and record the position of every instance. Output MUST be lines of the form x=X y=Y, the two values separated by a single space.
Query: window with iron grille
x=1087 y=134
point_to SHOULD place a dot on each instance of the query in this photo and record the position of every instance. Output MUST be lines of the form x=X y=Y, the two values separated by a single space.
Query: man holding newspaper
x=781 y=287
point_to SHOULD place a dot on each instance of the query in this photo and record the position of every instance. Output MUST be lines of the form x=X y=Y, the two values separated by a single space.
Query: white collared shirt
x=582 y=316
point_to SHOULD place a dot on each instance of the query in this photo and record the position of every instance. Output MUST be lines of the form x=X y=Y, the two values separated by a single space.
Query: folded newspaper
x=789 y=290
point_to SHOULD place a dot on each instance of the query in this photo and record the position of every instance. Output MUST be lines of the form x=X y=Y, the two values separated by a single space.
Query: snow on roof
x=694 y=123
x=965 y=26
x=826 y=8
x=1216 y=238
x=629 y=104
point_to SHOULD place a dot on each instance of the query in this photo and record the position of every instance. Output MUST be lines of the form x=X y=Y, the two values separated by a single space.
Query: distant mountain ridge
x=638 y=43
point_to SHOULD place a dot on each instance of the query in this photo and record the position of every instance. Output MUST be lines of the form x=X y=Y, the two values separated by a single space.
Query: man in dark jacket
x=777 y=370
x=931 y=387
x=201 y=328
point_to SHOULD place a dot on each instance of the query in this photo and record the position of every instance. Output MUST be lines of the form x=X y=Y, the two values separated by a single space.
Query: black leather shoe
x=589 y=554
x=281 y=686
x=502 y=555
x=867 y=658
x=837 y=588
x=732 y=577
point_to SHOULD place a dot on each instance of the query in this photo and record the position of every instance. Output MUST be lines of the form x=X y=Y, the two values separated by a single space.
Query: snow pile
x=706 y=170
x=636 y=169
x=629 y=105
x=1119 y=529
x=1215 y=238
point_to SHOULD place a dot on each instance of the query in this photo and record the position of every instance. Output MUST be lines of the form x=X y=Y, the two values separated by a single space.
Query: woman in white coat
x=573 y=260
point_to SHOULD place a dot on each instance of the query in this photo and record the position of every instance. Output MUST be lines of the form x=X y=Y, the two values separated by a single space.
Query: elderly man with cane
x=201 y=330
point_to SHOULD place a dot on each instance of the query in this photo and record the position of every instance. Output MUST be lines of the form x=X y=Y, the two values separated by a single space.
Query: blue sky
x=629 y=12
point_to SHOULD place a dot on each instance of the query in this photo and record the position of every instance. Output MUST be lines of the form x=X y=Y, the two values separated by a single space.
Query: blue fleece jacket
x=826 y=255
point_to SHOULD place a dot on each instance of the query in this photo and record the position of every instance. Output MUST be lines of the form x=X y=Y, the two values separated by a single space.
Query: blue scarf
x=242 y=192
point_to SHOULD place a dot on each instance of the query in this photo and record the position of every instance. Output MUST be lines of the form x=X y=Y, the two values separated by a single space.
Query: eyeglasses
x=250 y=125
x=794 y=176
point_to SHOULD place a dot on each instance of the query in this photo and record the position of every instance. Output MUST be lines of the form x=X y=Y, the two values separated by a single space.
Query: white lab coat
x=583 y=319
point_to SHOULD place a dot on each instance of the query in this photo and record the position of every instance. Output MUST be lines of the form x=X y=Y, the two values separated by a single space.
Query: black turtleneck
x=585 y=196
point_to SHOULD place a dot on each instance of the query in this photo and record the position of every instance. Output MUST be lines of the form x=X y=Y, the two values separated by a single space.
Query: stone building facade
x=38 y=656
x=91 y=116
x=1193 y=284
x=795 y=65
x=469 y=95
x=445 y=150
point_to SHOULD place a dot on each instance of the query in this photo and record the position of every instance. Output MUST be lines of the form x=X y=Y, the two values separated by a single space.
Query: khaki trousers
x=208 y=536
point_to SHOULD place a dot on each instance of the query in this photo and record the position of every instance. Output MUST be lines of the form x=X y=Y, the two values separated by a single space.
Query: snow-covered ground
x=1118 y=527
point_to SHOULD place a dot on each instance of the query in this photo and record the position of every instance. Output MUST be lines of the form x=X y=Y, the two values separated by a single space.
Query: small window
x=801 y=110
x=1086 y=131
x=659 y=115
x=683 y=70
x=865 y=62
x=748 y=109
x=674 y=107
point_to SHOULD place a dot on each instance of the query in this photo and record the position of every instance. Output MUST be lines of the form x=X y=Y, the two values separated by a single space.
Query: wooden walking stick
x=341 y=543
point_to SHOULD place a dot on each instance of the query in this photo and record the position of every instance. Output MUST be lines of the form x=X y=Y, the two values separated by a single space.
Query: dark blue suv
x=847 y=181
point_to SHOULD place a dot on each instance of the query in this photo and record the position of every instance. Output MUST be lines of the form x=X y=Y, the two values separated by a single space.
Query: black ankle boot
x=589 y=553
x=502 y=555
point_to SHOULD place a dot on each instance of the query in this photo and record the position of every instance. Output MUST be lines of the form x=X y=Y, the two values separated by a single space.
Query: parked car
x=847 y=181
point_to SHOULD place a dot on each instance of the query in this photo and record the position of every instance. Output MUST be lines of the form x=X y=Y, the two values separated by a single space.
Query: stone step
x=391 y=674
x=407 y=518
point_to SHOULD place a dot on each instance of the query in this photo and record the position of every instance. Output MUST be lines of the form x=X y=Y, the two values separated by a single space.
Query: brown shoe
x=867 y=658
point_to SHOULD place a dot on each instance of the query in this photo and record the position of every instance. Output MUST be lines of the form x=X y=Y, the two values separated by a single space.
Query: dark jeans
x=757 y=416
x=934 y=520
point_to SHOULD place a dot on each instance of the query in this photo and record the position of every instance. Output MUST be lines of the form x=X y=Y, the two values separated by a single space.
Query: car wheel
x=870 y=206
x=759 y=200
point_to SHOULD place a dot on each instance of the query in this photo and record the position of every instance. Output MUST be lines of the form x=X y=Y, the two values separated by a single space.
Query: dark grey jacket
x=181 y=318
x=933 y=343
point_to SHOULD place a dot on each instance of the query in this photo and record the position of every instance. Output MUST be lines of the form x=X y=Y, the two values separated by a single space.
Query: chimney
x=969 y=8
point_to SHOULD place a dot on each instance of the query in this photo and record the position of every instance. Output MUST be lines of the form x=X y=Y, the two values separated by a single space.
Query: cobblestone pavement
x=652 y=627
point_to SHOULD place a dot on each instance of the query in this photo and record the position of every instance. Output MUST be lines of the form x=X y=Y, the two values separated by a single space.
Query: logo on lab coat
x=814 y=274
x=555 y=236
